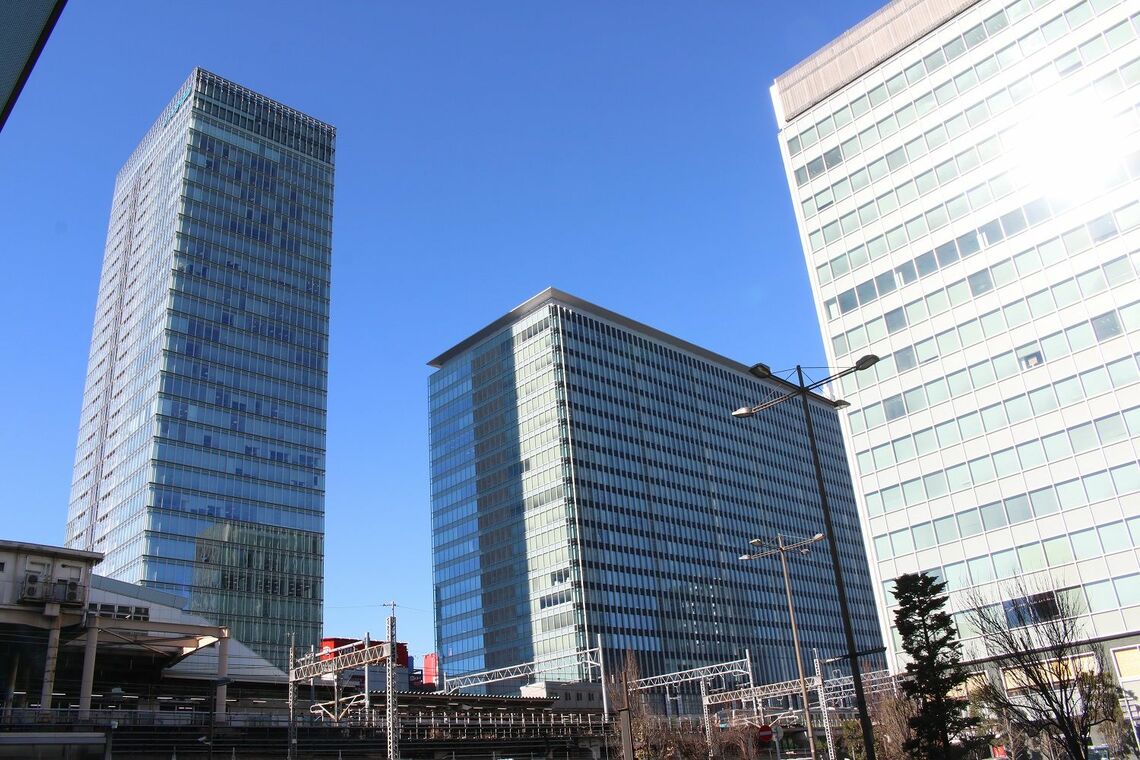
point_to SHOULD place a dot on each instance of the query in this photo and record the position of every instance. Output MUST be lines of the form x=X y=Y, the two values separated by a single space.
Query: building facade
x=965 y=177
x=199 y=469
x=589 y=480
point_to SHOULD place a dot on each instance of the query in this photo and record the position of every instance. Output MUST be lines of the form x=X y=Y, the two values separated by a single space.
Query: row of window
x=906 y=193
x=1009 y=511
x=1064 y=293
x=991 y=233
x=927 y=182
x=1077 y=337
x=968 y=78
x=1128 y=121
x=1095 y=596
x=241 y=507
x=1039 y=401
x=303 y=181
x=1016 y=459
x=913 y=74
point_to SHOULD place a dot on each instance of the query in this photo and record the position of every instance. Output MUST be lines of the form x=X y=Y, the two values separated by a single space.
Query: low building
x=76 y=640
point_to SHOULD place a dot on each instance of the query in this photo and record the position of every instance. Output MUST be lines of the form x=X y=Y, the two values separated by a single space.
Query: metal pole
x=705 y=717
x=796 y=644
x=393 y=724
x=827 y=735
x=291 y=751
x=840 y=588
x=605 y=686
x=367 y=684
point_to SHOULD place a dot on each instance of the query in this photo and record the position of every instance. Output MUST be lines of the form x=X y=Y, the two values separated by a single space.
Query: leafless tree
x=1051 y=680
x=890 y=713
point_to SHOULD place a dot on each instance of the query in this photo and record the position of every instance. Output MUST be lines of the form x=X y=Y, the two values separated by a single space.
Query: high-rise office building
x=588 y=479
x=200 y=463
x=965 y=177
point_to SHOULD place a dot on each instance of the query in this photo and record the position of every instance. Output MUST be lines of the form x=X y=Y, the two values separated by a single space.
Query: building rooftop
x=892 y=28
x=553 y=295
x=53 y=551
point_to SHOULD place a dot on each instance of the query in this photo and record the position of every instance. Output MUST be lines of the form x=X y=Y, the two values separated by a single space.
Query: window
x=993 y=516
x=1127 y=663
x=981 y=569
x=946 y=529
x=1114 y=537
x=981 y=282
x=1106 y=326
x=1058 y=551
x=1071 y=494
x=1006 y=564
x=1031 y=557
x=1044 y=502
x=1101 y=596
x=1086 y=545
x=1030 y=356
x=969 y=523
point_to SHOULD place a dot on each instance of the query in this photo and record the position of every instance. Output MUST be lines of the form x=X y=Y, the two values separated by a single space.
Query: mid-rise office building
x=589 y=480
x=199 y=469
x=965 y=177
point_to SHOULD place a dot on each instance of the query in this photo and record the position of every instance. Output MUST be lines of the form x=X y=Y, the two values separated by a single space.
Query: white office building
x=966 y=180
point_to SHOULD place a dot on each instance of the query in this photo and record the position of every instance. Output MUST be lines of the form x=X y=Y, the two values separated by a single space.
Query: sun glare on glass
x=1069 y=146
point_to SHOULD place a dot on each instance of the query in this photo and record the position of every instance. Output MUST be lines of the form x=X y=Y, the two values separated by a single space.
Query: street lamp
x=782 y=549
x=801 y=390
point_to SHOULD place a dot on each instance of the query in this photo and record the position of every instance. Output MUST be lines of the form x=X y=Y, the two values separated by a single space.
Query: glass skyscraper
x=966 y=178
x=200 y=463
x=588 y=478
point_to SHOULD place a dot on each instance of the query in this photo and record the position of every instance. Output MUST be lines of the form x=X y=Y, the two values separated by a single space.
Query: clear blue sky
x=624 y=152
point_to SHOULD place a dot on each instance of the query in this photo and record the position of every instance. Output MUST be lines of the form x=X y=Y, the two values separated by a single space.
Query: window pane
x=1114 y=537
x=1101 y=596
x=1044 y=502
x=1031 y=557
x=993 y=516
x=1017 y=508
x=1086 y=545
x=981 y=569
x=946 y=529
x=969 y=523
x=1058 y=551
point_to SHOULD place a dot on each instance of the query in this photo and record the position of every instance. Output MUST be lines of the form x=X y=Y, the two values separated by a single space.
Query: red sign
x=765 y=733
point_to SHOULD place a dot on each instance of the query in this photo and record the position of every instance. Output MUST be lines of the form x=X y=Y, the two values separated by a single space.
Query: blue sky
x=624 y=152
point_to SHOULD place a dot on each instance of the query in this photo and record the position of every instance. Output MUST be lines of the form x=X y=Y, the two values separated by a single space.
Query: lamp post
x=782 y=549
x=801 y=390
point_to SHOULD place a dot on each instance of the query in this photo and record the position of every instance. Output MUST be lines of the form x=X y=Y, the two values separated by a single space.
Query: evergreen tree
x=941 y=728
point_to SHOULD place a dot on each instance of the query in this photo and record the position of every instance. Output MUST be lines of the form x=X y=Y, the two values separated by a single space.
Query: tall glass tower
x=588 y=479
x=200 y=463
x=965 y=177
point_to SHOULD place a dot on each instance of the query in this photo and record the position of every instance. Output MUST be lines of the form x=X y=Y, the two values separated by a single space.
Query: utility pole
x=367 y=684
x=782 y=549
x=292 y=750
x=393 y=720
x=796 y=644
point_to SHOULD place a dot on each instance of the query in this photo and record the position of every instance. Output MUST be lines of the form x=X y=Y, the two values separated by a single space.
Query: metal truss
x=337 y=710
x=875 y=682
x=589 y=657
x=736 y=667
x=757 y=693
x=312 y=667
